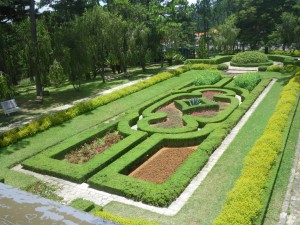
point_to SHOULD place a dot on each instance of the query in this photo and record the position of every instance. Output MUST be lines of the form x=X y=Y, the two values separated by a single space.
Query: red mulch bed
x=162 y=164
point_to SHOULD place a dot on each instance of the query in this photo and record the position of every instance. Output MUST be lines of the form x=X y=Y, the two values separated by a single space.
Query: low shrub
x=215 y=60
x=275 y=68
x=262 y=68
x=208 y=77
x=246 y=202
x=287 y=53
x=249 y=57
x=83 y=205
x=222 y=66
x=247 y=80
x=122 y=220
x=279 y=58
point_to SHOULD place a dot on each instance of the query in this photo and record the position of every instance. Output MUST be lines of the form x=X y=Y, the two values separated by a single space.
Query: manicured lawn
x=208 y=199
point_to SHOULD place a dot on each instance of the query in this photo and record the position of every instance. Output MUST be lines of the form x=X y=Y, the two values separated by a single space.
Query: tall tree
x=34 y=54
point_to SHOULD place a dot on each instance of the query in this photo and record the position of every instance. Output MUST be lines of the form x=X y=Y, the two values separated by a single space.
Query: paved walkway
x=70 y=191
x=235 y=70
x=290 y=214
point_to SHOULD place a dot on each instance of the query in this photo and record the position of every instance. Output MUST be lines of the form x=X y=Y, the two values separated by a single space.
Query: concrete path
x=235 y=70
x=290 y=214
x=70 y=191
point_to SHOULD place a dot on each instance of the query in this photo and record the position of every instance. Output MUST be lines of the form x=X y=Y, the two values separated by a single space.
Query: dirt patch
x=174 y=117
x=162 y=164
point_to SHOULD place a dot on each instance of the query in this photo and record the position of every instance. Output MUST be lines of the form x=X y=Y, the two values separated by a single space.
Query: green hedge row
x=280 y=58
x=246 y=202
x=114 y=178
x=50 y=162
x=123 y=220
x=269 y=63
x=46 y=121
x=216 y=60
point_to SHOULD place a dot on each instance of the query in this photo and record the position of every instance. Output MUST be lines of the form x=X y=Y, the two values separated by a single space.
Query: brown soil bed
x=163 y=164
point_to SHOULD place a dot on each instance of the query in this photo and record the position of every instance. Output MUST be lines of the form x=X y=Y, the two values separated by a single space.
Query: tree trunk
x=266 y=50
x=102 y=74
x=38 y=82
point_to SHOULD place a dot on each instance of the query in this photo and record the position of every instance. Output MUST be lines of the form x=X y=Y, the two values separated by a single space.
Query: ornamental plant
x=247 y=80
x=208 y=77
x=250 y=57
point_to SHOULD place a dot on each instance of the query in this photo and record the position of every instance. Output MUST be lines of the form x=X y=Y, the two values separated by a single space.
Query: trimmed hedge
x=280 y=58
x=249 y=57
x=246 y=201
x=114 y=177
x=123 y=220
x=269 y=63
x=222 y=66
x=215 y=60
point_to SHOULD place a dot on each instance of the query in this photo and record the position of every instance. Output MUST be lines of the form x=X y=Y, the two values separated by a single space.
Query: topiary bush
x=250 y=58
x=262 y=68
x=222 y=66
x=274 y=68
x=247 y=80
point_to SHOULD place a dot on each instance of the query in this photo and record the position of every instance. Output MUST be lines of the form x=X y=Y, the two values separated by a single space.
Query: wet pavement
x=18 y=207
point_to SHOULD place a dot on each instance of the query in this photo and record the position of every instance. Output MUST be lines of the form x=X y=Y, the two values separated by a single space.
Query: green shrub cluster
x=123 y=220
x=279 y=58
x=250 y=57
x=247 y=80
x=245 y=202
x=262 y=68
x=275 y=68
x=208 y=77
x=215 y=60
x=287 y=53
x=222 y=66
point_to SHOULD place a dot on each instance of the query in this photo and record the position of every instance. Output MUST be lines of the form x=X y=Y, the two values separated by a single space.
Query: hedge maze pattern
x=109 y=170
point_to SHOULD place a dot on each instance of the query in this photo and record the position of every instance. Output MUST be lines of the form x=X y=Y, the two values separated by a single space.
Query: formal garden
x=147 y=142
x=153 y=112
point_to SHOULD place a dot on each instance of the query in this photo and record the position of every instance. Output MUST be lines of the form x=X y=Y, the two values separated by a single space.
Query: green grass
x=66 y=94
x=208 y=199
x=23 y=149
x=282 y=181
